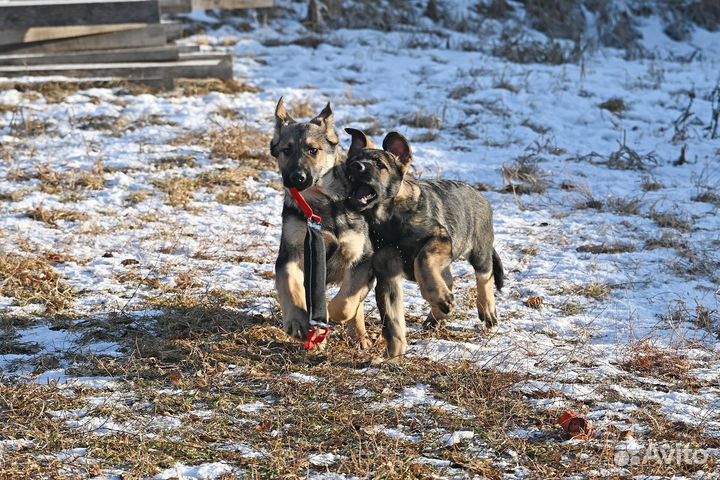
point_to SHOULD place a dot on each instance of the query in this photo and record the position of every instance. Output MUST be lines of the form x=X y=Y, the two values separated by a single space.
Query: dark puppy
x=310 y=160
x=418 y=228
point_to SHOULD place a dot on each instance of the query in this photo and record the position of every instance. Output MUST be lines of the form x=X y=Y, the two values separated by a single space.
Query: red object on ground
x=316 y=336
x=576 y=426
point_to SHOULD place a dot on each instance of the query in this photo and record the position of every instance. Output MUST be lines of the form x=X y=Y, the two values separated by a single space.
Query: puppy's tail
x=498 y=271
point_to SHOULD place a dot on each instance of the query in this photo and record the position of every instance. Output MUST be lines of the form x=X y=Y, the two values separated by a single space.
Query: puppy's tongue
x=364 y=194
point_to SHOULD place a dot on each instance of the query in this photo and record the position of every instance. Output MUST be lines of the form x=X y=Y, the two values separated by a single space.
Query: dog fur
x=418 y=228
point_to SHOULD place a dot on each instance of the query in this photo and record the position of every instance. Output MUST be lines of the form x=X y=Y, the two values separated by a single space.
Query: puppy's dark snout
x=298 y=178
x=358 y=167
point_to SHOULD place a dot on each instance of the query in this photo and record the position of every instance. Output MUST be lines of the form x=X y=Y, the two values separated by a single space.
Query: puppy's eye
x=287 y=150
x=380 y=165
x=313 y=150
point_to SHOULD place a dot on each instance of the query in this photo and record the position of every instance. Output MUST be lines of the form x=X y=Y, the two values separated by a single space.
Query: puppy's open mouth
x=363 y=194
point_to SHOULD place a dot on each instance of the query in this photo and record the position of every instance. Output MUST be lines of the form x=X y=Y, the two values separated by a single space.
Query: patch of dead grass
x=648 y=359
x=33 y=280
x=668 y=219
x=179 y=191
x=51 y=216
x=199 y=87
x=524 y=176
x=422 y=119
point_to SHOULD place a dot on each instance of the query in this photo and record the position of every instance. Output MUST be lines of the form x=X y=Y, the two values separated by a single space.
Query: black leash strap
x=314 y=274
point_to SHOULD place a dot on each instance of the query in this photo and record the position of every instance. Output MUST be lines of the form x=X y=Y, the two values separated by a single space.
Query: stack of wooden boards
x=118 y=39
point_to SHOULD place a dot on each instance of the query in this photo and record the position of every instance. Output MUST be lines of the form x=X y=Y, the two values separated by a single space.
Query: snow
x=325 y=459
x=392 y=433
x=460 y=436
x=205 y=471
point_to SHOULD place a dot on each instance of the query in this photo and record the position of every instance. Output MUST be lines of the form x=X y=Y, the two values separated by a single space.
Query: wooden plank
x=50 y=13
x=11 y=36
x=173 y=30
x=219 y=67
x=175 y=6
x=151 y=54
x=231 y=4
x=149 y=36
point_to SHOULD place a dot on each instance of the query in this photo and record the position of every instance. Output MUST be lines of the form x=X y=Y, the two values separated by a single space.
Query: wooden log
x=149 y=36
x=52 y=13
x=231 y=4
x=25 y=35
x=150 y=54
x=218 y=67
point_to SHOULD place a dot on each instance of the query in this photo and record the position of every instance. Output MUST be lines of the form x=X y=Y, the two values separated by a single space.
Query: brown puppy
x=310 y=160
x=418 y=228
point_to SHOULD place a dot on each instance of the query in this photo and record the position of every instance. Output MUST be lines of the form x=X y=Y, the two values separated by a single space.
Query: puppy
x=310 y=160
x=418 y=228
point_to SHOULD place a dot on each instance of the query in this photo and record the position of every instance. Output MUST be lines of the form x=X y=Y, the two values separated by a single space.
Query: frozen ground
x=150 y=246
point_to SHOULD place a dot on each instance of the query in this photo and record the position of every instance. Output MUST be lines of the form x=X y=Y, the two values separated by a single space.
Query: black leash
x=314 y=274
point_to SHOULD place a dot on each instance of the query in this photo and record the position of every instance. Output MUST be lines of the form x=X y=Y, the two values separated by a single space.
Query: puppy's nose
x=358 y=167
x=298 y=178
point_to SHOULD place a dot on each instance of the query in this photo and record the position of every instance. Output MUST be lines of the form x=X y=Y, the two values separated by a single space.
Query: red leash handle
x=304 y=206
x=316 y=336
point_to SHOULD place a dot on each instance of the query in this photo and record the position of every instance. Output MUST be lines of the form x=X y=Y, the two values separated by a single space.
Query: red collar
x=304 y=206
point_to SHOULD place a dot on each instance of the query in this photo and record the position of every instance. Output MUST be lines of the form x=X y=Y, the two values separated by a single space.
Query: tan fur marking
x=351 y=245
x=486 y=298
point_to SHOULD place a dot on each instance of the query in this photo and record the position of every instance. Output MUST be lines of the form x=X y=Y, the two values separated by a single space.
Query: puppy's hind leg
x=389 y=296
x=485 y=289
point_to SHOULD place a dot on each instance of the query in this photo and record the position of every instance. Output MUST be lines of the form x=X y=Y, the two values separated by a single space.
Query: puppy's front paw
x=297 y=327
x=445 y=302
x=489 y=317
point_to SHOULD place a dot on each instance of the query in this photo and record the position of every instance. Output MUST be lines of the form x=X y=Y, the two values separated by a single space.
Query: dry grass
x=615 y=105
x=670 y=219
x=422 y=119
x=708 y=197
x=237 y=143
x=179 y=191
x=647 y=359
x=199 y=87
x=52 y=216
x=518 y=49
x=57 y=91
x=52 y=181
x=651 y=185
x=176 y=161
x=232 y=183
x=524 y=176
x=619 y=205
x=606 y=248
x=594 y=291
x=33 y=280
x=625 y=158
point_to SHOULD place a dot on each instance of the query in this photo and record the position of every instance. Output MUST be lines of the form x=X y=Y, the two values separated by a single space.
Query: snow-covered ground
x=625 y=259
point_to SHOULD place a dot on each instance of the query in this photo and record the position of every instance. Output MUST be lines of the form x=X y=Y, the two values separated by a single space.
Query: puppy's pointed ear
x=359 y=141
x=282 y=119
x=398 y=146
x=326 y=119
